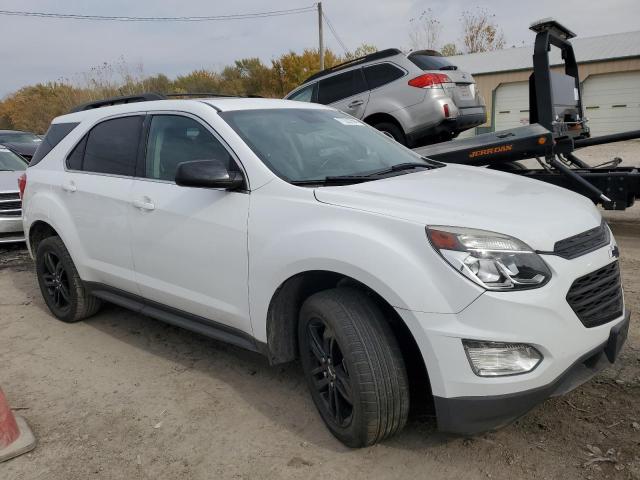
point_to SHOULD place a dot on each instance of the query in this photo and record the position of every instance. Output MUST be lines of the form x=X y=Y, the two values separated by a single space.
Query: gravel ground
x=122 y=396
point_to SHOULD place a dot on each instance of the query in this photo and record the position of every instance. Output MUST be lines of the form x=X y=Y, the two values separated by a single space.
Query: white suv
x=295 y=230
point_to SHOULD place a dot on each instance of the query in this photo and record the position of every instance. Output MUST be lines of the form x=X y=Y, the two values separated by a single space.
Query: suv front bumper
x=572 y=353
x=476 y=414
x=11 y=230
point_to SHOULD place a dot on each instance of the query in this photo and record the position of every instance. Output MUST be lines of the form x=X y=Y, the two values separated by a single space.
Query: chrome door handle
x=69 y=187
x=355 y=103
x=144 y=204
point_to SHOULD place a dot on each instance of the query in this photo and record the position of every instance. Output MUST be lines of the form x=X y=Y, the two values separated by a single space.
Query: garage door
x=511 y=105
x=612 y=102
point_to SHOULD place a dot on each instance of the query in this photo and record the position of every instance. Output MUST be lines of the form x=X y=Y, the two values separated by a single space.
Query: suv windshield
x=9 y=161
x=307 y=145
x=18 y=137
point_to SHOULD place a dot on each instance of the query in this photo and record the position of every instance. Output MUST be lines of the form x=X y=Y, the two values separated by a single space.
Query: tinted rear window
x=112 y=146
x=430 y=62
x=341 y=86
x=381 y=74
x=55 y=134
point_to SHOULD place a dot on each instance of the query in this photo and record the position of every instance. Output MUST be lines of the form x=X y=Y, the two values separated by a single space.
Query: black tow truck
x=557 y=129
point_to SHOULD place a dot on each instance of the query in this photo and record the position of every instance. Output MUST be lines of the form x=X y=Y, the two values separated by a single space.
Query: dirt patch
x=122 y=396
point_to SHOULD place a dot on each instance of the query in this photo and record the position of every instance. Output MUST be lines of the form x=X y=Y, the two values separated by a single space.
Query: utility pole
x=320 y=39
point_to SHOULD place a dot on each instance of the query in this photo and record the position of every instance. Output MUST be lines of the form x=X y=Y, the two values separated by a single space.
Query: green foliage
x=33 y=107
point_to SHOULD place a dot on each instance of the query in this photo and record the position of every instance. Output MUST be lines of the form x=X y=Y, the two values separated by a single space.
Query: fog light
x=493 y=359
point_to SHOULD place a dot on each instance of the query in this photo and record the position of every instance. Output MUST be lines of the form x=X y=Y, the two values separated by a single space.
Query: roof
x=588 y=49
x=222 y=104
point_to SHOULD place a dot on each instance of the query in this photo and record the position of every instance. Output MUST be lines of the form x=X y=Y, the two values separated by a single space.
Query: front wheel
x=353 y=366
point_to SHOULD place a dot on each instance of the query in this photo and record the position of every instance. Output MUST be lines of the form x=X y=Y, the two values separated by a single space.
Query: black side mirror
x=207 y=174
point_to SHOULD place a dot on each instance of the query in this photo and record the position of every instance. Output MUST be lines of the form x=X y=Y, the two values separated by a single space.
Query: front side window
x=10 y=162
x=112 y=147
x=174 y=139
x=300 y=144
x=340 y=86
x=304 y=95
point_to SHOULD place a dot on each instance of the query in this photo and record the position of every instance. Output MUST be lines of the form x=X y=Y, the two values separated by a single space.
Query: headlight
x=492 y=260
x=493 y=359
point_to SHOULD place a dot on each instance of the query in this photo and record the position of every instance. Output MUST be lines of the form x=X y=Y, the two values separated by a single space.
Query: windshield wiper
x=335 y=180
x=448 y=67
x=399 y=167
x=376 y=175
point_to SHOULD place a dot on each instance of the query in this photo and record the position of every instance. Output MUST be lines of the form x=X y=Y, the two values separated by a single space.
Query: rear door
x=97 y=191
x=345 y=91
x=189 y=244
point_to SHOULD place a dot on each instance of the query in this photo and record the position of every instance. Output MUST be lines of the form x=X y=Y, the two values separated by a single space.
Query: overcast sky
x=37 y=50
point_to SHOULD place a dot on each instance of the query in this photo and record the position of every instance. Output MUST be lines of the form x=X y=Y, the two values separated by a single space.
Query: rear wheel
x=391 y=130
x=353 y=366
x=60 y=284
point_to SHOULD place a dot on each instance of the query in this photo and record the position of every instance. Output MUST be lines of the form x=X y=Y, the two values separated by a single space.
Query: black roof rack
x=389 y=52
x=147 y=97
x=142 y=97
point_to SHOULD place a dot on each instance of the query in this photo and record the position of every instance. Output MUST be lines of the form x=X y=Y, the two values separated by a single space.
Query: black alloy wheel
x=62 y=289
x=56 y=281
x=330 y=374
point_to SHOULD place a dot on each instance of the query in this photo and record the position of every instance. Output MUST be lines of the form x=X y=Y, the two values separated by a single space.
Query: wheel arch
x=383 y=117
x=38 y=231
x=283 y=313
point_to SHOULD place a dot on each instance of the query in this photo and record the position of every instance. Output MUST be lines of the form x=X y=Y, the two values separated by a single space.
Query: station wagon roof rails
x=389 y=52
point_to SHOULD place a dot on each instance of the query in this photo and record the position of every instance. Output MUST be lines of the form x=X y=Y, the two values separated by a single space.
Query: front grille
x=9 y=196
x=596 y=298
x=583 y=243
x=10 y=204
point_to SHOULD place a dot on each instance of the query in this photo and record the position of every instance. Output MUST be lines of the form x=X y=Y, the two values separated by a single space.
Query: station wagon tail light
x=22 y=184
x=429 y=80
x=492 y=260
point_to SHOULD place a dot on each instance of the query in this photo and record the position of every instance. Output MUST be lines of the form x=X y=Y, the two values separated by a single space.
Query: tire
x=346 y=325
x=60 y=285
x=392 y=130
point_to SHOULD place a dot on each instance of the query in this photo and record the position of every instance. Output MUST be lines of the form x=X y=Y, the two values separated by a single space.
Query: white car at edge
x=294 y=230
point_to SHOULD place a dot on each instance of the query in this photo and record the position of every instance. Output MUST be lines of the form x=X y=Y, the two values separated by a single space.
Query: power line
x=118 y=18
x=335 y=34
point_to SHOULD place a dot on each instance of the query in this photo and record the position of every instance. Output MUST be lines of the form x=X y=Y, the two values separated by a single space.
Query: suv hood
x=537 y=213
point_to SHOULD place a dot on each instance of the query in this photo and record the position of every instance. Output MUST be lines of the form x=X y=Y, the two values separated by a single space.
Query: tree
x=361 y=51
x=449 y=50
x=425 y=31
x=480 y=32
x=291 y=69
x=33 y=107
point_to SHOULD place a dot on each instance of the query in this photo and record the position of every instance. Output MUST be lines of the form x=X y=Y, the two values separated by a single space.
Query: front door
x=189 y=244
